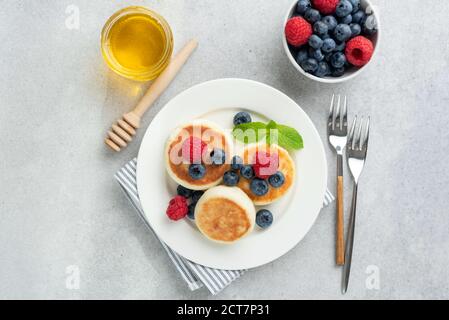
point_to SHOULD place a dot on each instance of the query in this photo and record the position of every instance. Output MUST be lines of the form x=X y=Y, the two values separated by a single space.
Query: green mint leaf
x=289 y=138
x=271 y=125
x=250 y=132
x=285 y=136
x=272 y=133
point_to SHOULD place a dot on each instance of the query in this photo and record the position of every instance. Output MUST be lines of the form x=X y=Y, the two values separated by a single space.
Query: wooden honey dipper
x=123 y=131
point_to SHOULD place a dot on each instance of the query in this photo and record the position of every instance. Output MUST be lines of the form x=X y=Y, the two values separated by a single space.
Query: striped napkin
x=195 y=275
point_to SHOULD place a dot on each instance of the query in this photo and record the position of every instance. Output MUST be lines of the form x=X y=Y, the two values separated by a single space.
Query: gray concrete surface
x=60 y=206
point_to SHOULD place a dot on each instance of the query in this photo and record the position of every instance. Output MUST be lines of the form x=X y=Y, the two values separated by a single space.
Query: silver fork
x=357 y=149
x=337 y=128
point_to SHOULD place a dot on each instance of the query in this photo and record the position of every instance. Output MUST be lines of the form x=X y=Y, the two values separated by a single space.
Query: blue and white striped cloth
x=195 y=275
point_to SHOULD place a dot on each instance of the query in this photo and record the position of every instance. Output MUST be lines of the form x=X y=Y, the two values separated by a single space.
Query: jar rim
x=112 y=62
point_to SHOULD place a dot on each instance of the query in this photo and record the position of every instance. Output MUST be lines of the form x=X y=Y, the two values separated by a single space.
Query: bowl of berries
x=331 y=41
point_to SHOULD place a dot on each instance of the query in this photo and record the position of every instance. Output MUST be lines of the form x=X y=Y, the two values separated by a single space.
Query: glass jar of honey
x=137 y=43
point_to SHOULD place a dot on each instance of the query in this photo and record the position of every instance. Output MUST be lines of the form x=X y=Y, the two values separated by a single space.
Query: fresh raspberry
x=265 y=165
x=325 y=6
x=193 y=149
x=359 y=51
x=298 y=31
x=177 y=208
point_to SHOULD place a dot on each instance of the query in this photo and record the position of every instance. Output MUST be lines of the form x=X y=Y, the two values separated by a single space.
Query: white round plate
x=294 y=214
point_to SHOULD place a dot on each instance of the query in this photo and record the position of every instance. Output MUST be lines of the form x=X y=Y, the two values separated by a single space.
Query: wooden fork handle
x=165 y=78
x=340 y=259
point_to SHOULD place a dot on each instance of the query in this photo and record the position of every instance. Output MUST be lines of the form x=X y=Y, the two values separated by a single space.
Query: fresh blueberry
x=342 y=32
x=370 y=25
x=338 y=72
x=320 y=28
x=331 y=22
x=328 y=56
x=346 y=19
x=340 y=47
x=293 y=50
x=302 y=6
x=316 y=54
x=343 y=8
x=302 y=55
x=363 y=20
x=358 y=17
x=236 y=163
x=328 y=45
x=264 y=218
x=197 y=171
x=315 y=42
x=183 y=191
x=312 y=15
x=242 y=117
x=277 y=179
x=196 y=196
x=191 y=212
x=355 y=5
x=309 y=65
x=231 y=178
x=218 y=157
x=247 y=172
x=259 y=187
x=322 y=71
x=356 y=29
x=338 y=60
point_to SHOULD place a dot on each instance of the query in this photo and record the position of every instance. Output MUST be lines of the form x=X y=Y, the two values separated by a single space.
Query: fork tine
x=359 y=140
x=351 y=134
x=337 y=118
x=331 y=113
x=366 y=137
x=345 y=114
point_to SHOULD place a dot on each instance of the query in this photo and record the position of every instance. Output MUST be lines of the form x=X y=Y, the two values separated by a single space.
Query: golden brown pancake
x=286 y=166
x=225 y=214
x=213 y=136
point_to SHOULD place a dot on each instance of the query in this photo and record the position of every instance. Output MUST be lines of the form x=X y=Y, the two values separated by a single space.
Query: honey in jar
x=137 y=43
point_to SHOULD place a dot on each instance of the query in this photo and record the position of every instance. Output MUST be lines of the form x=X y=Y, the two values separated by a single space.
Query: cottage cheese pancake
x=286 y=166
x=209 y=137
x=225 y=214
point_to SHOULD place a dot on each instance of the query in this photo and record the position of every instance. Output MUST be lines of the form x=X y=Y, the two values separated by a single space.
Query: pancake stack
x=286 y=166
x=178 y=168
x=225 y=214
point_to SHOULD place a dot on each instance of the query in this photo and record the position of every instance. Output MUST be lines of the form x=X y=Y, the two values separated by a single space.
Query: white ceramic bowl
x=351 y=72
